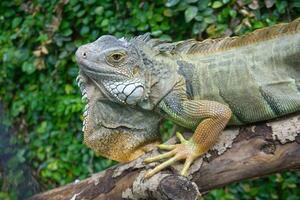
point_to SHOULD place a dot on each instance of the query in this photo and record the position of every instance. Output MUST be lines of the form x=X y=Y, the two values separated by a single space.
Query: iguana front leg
x=215 y=117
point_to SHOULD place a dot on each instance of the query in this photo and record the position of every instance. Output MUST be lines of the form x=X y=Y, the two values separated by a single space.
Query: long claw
x=159 y=157
x=180 y=137
x=186 y=166
x=166 y=146
x=161 y=167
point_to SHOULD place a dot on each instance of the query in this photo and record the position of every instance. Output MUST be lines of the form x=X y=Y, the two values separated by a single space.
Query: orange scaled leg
x=215 y=117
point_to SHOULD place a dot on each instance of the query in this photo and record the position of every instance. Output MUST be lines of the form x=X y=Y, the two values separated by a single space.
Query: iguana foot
x=187 y=149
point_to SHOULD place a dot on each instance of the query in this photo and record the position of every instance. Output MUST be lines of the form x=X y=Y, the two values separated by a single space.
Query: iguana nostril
x=84 y=54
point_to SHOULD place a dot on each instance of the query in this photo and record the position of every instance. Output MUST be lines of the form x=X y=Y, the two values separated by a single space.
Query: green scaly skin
x=200 y=85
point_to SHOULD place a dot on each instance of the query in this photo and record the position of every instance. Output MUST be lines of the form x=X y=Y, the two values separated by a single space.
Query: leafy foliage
x=37 y=75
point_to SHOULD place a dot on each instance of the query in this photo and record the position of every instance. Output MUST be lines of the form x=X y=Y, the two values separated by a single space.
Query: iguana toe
x=186 y=150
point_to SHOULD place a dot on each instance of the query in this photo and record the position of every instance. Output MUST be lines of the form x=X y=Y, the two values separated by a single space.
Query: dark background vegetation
x=42 y=105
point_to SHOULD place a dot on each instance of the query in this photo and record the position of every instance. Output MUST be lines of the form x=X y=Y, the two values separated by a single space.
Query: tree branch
x=255 y=151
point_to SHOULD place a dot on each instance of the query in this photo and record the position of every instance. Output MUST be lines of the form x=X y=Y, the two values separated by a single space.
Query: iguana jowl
x=131 y=84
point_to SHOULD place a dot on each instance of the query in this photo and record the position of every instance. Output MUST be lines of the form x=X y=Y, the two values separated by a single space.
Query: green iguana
x=130 y=85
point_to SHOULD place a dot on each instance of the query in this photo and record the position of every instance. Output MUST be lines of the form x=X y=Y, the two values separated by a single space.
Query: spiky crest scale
x=192 y=46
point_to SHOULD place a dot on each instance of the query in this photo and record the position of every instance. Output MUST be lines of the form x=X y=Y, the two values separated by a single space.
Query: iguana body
x=257 y=75
x=204 y=86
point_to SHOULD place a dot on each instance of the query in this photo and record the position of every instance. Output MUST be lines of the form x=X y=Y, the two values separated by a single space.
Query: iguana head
x=116 y=67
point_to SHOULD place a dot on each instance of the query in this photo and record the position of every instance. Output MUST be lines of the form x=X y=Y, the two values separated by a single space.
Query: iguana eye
x=116 y=58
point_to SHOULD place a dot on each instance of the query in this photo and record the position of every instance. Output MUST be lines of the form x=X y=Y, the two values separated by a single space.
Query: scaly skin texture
x=131 y=84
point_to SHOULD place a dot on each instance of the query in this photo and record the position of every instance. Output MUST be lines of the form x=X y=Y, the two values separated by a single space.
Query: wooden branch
x=258 y=150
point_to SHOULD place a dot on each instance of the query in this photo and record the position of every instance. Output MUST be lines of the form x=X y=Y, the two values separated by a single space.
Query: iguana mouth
x=82 y=85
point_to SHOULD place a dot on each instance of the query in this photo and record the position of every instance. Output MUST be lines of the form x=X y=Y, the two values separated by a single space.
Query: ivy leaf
x=199 y=27
x=191 y=1
x=171 y=3
x=190 y=13
x=28 y=67
x=202 y=5
x=210 y=19
x=217 y=4
x=281 y=6
x=258 y=24
x=226 y=1
x=99 y=10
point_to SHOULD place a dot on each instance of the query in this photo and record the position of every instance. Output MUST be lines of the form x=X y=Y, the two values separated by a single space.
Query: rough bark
x=257 y=150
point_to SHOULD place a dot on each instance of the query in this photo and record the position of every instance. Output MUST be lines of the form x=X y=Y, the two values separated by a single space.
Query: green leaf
x=258 y=24
x=53 y=165
x=190 y=13
x=171 y=3
x=42 y=127
x=84 y=30
x=217 y=4
x=99 y=10
x=67 y=32
x=104 y=23
x=16 y=22
x=203 y=4
x=191 y=1
x=42 y=38
x=28 y=67
x=156 y=33
x=209 y=20
x=168 y=12
x=207 y=12
x=281 y=6
x=68 y=89
x=165 y=37
x=199 y=27
x=199 y=18
x=225 y=1
x=233 y=13
x=80 y=13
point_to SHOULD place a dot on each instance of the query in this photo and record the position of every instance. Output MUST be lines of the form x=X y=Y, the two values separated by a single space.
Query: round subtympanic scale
x=128 y=89
x=135 y=95
x=138 y=92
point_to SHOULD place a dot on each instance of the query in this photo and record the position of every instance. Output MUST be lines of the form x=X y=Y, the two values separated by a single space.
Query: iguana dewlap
x=131 y=84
